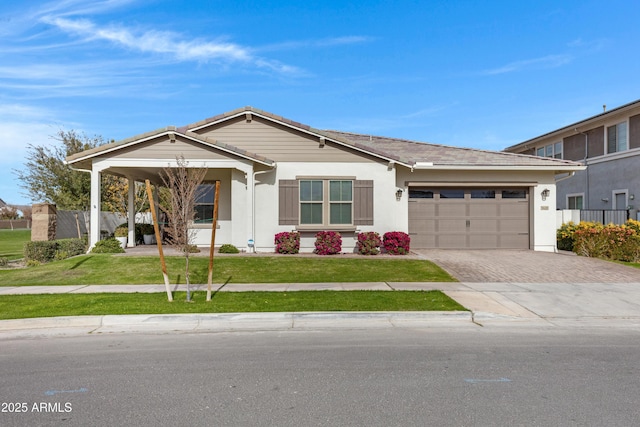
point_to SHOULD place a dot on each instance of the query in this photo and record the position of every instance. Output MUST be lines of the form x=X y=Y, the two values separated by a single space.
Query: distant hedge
x=46 y=251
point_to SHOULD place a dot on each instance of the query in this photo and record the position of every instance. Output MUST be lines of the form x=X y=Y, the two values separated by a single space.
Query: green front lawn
x=11 y=243
x=105 y=269
x=28 y=306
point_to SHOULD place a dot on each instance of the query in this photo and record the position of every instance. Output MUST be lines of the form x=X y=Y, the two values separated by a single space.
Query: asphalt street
x=378 y=377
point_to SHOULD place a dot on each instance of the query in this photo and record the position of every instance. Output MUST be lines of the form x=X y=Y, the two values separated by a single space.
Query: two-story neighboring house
x=609 y=145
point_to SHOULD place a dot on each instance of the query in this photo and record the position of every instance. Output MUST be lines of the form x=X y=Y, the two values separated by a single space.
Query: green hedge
x=107 y=246
x=46 y=251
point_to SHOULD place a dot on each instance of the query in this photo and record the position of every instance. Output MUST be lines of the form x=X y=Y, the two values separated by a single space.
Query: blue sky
x=482 y=74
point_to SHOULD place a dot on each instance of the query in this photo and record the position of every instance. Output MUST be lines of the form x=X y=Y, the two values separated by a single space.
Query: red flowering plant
x=287 y=242
x=369 y=243
x=328 y=243
x=396 y=242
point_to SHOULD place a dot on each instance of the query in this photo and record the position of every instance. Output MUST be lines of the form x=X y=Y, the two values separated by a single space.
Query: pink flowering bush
x=369 y=243
x=396 y=242
x=287 y=242
x=328 y=243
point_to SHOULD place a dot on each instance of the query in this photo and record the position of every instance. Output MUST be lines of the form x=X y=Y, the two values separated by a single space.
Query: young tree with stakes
x=184 y=188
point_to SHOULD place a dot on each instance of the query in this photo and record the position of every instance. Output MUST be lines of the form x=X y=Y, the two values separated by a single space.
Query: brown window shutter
x=363 y=202
x=288 y=202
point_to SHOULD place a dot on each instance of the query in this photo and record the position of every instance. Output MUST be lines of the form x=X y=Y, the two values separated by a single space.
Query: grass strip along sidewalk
x=28 y=306
x=106 y=269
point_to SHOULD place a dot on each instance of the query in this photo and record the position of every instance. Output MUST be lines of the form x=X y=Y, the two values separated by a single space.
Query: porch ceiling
x=153 y=174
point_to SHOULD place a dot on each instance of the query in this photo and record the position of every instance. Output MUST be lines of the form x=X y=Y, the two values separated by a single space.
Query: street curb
x=227 y=322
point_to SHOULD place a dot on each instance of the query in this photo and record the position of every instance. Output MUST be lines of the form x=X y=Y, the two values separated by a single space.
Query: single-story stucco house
x=279 y=175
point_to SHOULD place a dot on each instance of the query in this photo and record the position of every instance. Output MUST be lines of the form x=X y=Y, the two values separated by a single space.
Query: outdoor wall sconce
x=399 y=194
x=545 y=193
x=605 y=200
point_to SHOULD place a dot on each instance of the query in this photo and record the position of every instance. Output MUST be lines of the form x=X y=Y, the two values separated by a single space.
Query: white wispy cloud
x=80 y=7
x=319 y=43
x=168 y=43
x=549 y=61
x=46 y=80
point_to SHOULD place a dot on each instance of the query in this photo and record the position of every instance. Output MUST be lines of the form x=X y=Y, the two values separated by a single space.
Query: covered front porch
x=147 y=157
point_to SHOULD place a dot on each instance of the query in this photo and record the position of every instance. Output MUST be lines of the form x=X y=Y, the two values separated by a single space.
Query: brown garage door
x=475 y=218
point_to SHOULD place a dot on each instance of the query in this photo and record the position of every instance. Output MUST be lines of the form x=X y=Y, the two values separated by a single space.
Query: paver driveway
x=524 y=266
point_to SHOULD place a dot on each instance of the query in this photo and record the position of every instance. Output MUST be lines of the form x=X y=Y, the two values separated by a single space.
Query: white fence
x=603 y=216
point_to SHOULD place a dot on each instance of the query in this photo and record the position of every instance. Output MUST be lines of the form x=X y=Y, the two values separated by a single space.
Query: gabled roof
x=580 y=125
x=299 y=127
x=406 y=152
x=455 y=157
x=411 y=154
x=207 y=141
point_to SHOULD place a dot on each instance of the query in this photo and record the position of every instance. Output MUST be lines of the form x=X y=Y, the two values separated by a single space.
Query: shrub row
x=330 y=242
x=615 y=242
x=45 y=251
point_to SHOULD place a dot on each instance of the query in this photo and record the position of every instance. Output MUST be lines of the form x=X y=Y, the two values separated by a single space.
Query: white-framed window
x=575 y=201
x=617 y=138
x=557 y=150
x=552 y=150
x=204 y=202
x=326 y=202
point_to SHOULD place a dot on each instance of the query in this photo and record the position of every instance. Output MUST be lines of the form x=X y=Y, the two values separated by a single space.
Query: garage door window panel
x=451 y=194
x=514 y=194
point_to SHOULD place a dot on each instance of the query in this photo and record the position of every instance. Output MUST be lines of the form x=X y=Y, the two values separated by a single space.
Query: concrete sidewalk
x=546 y=305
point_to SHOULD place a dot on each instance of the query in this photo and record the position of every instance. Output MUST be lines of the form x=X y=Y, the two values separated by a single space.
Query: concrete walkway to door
x=525 y=266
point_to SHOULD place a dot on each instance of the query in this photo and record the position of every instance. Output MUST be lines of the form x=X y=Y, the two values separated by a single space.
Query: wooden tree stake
x=158 y=240
x=213 y=240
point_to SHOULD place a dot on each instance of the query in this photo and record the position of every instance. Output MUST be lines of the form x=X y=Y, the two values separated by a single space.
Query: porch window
x=204 y=203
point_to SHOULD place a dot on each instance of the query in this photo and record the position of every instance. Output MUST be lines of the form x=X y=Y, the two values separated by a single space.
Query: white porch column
x=94 y=236
x=131 y=213
x=251 y=198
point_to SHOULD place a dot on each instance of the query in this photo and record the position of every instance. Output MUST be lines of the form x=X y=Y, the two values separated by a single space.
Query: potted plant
x=148 y=233
x=121 y=235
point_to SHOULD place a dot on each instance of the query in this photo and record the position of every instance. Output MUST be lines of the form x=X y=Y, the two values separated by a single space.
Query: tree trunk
x=186 y=273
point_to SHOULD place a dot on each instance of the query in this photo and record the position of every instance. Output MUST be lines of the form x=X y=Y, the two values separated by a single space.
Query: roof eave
x=557 y=168
x=576 y=125
x=170 y=130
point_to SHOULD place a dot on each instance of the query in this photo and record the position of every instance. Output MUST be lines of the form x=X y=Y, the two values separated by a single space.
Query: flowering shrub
x=328 y=243
x=616 y=242
x=632 y=223
x=287 y=242
x=369 y=243
x=396 y=242
x=566 y=234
